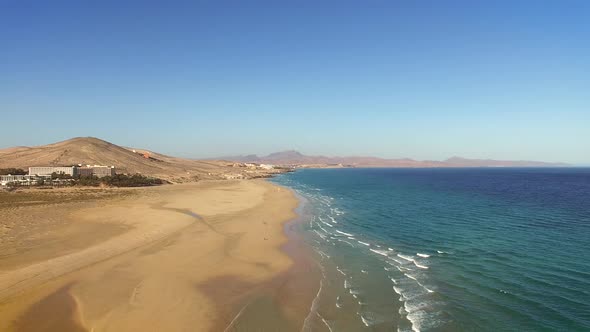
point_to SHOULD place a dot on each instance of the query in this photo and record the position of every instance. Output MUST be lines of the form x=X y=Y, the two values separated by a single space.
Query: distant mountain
x=90 y=150
x=463 y=162
x=296 y=158
x=285 y=155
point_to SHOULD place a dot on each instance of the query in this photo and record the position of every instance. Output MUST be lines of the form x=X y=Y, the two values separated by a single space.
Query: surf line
x=236 y=318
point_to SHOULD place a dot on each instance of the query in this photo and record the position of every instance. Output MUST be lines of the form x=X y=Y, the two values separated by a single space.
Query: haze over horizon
x=501 y=80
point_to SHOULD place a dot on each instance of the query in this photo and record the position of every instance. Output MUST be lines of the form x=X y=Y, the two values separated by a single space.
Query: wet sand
x=199 y=257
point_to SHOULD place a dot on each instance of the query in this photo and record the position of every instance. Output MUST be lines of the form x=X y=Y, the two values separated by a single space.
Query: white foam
x=393 y=280
x=325 y=322
x=324 y=222
x=401 y=310
x=365 y=321
x=412 y=306
x=419 y=283
x=416 y=318
x=323 y=229
x=364 y=271
x=320 y=234
x=408 y=258
x=350 y=244
x=390 y=249
x=339 y=270
x=442 y=252
x=423 y=255
x=333 y=220
x=408 y=292
x=421 y=266
x=314 y=305
x=365 y=243
x=380 y=252
x=344 y=233
x=396 y=260
x=346 y=284
x=323 y=254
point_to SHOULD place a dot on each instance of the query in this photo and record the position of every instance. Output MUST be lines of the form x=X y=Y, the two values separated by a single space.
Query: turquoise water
x=448 y=249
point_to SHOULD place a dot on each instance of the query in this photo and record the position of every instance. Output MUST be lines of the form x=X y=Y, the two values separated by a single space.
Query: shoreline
x=293 y=290
x=119 y=290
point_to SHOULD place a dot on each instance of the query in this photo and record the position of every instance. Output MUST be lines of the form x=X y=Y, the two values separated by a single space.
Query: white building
x=102 y=171
x=23 y=180
x=6 y=179
x=48 y=170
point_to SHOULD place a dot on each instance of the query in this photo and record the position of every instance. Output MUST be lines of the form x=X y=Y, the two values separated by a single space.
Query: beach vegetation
x=119 y=180
x=60 y=176
x=12 y=171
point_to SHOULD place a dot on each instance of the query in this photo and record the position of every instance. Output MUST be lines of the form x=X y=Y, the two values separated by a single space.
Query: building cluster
x=23 y=180
x=48 y=170
x=74 y=171
x=254 y=166
x=43 y=174
x=96 y=170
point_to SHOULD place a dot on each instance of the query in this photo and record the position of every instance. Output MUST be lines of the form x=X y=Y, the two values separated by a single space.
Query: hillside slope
x=90 y=150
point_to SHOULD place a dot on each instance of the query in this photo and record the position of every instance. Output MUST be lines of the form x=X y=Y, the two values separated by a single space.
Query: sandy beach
x=209 y=256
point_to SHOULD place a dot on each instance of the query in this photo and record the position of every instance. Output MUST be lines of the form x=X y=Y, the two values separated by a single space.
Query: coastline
x=284 y=302
x=181 y=257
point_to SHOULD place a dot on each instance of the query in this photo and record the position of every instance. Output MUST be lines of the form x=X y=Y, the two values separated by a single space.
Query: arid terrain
x=89 y=150
x=187 y=257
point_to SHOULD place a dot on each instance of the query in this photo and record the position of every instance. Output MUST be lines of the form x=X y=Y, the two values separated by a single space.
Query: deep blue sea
x=480 y=249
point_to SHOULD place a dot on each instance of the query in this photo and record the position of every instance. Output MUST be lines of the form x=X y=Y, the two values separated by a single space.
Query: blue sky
x=418 y=79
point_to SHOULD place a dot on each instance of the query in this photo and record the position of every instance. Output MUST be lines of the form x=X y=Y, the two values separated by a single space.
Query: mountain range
x=94 y=151
x=295 y=158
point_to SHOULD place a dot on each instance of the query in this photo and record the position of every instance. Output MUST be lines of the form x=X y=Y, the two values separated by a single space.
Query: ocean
x=480 y=249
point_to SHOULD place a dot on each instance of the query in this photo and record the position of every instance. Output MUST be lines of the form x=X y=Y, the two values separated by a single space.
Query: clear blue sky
x=418 y=79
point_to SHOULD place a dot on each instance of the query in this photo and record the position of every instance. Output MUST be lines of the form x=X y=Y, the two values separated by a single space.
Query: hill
x=296 y=158
x=90 y=150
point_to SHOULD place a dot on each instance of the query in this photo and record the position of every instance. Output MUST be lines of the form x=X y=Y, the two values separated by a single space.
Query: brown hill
x=89 y=150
